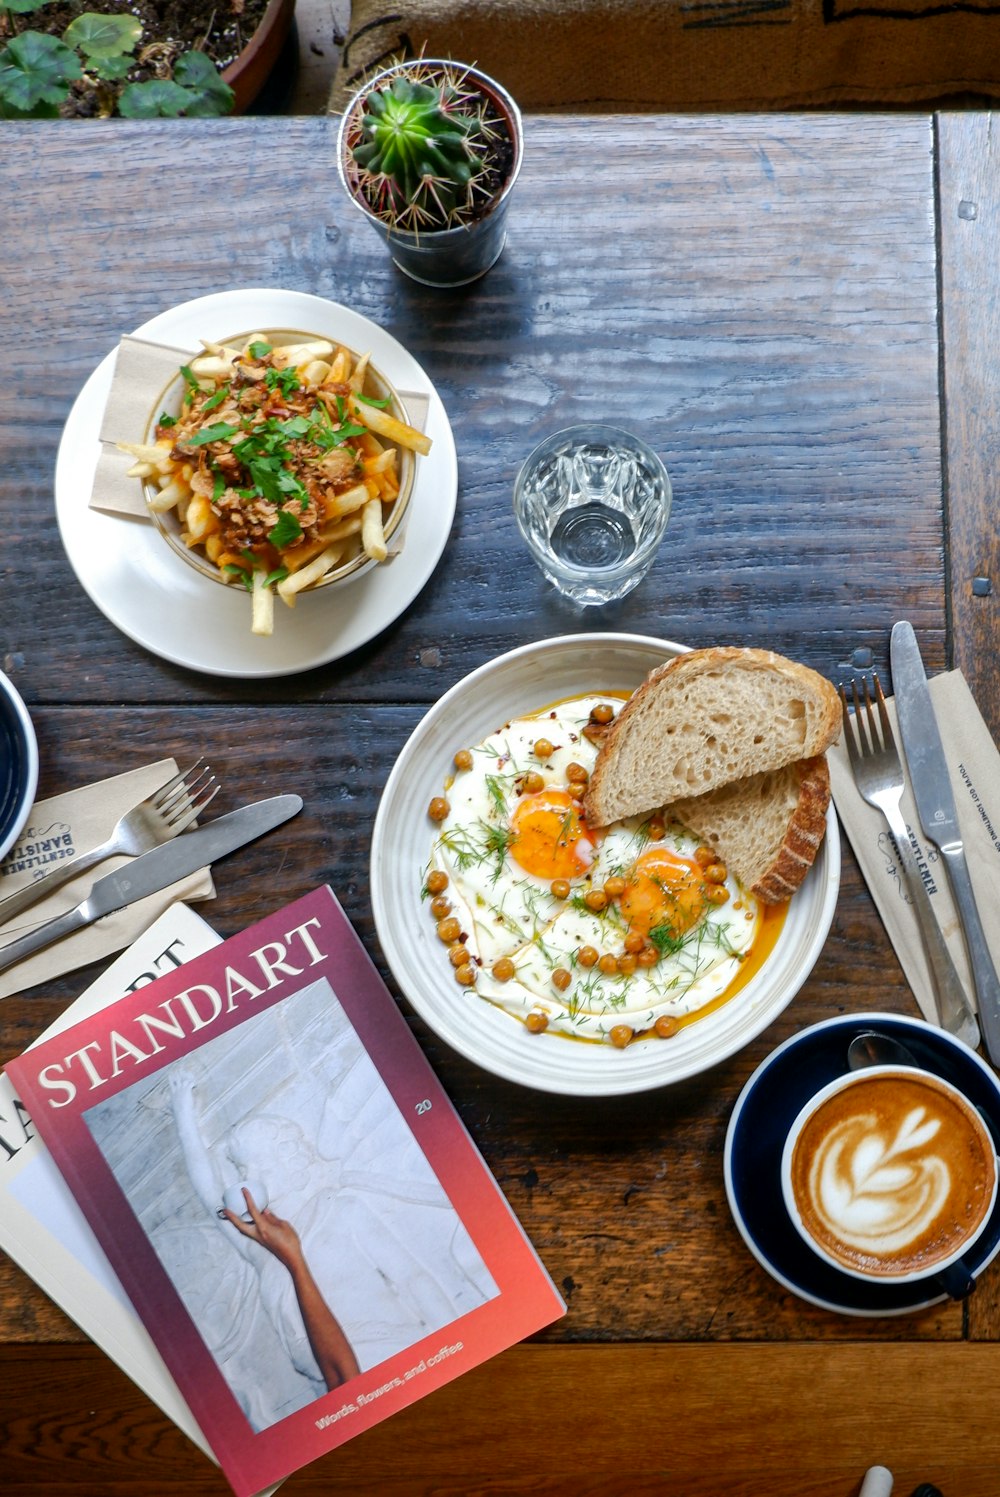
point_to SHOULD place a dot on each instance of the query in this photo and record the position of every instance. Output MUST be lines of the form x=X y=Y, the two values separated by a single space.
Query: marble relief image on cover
x=290 y=1099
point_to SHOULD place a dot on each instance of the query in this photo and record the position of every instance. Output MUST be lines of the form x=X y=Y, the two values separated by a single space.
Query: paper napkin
x=143 y=372
x=975 y=775
x=58 y=829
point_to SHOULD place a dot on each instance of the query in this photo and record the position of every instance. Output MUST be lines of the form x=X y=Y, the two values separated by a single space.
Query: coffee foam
x=892 y=1174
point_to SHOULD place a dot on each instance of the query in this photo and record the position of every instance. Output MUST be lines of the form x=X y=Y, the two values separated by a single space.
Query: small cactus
x=417 y=148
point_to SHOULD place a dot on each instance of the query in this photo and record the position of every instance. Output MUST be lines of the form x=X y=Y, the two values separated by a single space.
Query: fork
x=878 y=774
x=162 y=816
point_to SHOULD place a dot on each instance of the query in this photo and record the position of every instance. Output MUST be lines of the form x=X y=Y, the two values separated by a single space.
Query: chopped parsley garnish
x=380 y=405
x=166 y=420
x=285 y=530
x=259 y=350
x=219 y=431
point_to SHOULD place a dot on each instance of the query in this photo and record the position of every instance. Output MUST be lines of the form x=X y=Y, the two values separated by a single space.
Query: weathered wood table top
x=800 y=313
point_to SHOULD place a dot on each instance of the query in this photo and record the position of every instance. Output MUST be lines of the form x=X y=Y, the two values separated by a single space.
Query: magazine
x=41 y=1226
x=285 y=1191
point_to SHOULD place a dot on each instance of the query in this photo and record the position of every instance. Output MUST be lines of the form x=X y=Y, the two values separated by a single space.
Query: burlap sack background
x=690 y=54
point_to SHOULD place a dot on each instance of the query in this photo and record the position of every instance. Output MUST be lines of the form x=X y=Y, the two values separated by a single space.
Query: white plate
x=152 y=596
x=523 y=681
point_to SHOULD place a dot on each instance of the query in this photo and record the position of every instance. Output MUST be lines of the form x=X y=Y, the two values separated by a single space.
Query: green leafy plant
x=38 y=71
x=420 y=148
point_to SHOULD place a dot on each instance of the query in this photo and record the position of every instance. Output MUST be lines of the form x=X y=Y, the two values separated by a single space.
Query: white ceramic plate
x=149 y=593
x=523 y=681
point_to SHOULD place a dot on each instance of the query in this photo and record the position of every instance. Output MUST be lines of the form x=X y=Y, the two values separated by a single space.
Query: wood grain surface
x=783 y=306
x=602 y=1421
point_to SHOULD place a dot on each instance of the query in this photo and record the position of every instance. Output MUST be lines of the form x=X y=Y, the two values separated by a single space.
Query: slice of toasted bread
x=767 y=829
x=705 y=719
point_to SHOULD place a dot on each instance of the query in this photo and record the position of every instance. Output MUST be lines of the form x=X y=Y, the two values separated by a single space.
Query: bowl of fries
x=280 y=462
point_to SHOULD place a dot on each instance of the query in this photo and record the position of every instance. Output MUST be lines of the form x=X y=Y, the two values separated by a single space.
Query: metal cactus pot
x=433 y=175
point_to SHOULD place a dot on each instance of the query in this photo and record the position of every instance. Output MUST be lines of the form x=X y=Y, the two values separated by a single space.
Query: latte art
x=892 y=1174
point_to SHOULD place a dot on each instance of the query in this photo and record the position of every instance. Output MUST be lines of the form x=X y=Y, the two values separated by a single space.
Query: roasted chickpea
x=503 y=969
x=620 y=1036
x=576 y=774
x=437 y=881
x=438 y=808
x=656 y=829
x=602 y=713
x=543 y=748
x=561 y=979
x=587 y=956
x=532 y=782
x=449 y=930
x=648 y=956
x=715 y=873
x=666 y=1026
x=627 y=963
x=536 y=1023
x=596 y=900
x=440 y=906
x=716 y=893
x=614 y=887
x=594 y=732
x=704 y=855
x=634 y=941
x=458 y=954
x=559 y=888
x=463 y=759
x=465 y=974
x=608 y=964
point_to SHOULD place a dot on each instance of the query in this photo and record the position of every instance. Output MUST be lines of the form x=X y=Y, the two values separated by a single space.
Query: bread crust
x=799 y=841
x=803 y=838
x=672 y=680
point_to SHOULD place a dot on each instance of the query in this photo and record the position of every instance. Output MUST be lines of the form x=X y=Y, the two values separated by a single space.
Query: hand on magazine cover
x=330 y=1346
x=278 y=1236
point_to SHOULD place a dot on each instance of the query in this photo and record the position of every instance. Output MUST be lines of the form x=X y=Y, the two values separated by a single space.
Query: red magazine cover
x=286 y=1192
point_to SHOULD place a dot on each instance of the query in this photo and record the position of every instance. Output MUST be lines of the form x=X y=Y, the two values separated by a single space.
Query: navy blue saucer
x=18 y=764
x=766 y=1109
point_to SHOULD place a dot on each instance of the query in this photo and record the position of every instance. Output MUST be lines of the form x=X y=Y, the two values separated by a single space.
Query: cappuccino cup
x=890 y=1175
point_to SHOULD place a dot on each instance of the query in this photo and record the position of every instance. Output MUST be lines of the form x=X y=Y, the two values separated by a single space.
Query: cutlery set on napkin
x=925 y=894
x=163 y=848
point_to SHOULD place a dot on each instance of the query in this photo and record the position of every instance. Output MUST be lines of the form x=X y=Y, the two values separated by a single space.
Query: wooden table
x=801 y=314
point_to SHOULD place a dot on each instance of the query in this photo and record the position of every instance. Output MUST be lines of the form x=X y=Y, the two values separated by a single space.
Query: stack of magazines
x=232 y=1165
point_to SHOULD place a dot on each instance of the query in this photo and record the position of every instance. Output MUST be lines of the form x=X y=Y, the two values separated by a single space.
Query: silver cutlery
x=163 y=815
x=878 y=774
x=156 y=870
x=935 y=800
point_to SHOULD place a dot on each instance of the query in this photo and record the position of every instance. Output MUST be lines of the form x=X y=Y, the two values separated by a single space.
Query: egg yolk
x=664 y=890
x=547 y=838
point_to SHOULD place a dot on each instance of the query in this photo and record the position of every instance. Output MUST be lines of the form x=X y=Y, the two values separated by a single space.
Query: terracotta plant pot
x=248 y=73
x=448 y=256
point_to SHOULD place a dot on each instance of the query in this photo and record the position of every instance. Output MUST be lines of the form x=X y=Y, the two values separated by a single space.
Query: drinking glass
x=592 y=502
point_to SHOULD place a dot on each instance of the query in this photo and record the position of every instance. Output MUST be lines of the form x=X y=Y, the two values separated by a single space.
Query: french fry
x=169 y=496
x=388 y=426
x=357 y=379
x=372 y=531
x=340 y=368
x=262 y=616
x=339 y=530
x=289 y=587
x=343 y=504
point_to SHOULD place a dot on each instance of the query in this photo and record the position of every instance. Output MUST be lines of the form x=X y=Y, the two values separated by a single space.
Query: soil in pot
x=219 y=28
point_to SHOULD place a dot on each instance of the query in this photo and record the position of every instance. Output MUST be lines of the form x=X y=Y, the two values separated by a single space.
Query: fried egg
x=604 y=933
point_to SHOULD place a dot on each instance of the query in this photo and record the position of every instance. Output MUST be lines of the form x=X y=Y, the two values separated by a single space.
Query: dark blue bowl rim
x=17 y=764
x=765 y=1110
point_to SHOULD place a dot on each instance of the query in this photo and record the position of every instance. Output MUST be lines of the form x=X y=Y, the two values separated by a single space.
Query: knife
x=935 y=801
x=157 y=870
